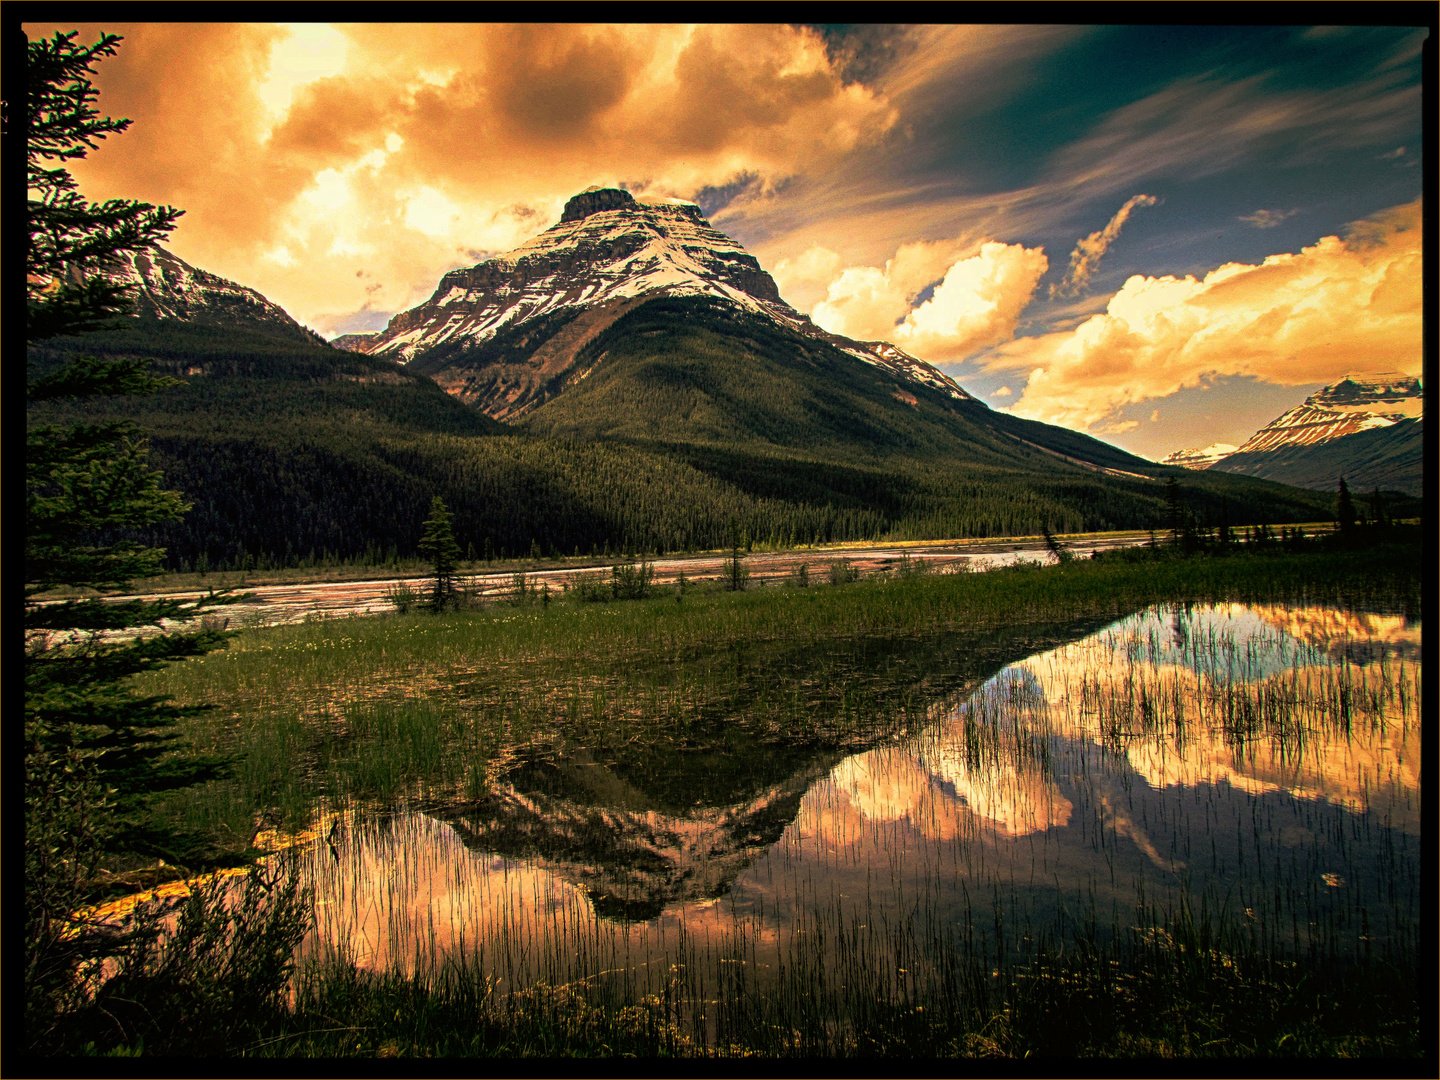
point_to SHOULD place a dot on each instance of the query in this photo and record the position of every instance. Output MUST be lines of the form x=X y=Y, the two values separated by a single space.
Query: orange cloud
x=977 y=304
x=1339 y=306
x=1091 y=249
x=407 y=150
x=868 y=302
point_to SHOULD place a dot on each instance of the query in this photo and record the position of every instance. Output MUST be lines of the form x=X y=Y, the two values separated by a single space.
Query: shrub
x=521 y=591
x=402 y=596
x=589 y=589
x=631 y=582
x=909 y=568
x=212 y=985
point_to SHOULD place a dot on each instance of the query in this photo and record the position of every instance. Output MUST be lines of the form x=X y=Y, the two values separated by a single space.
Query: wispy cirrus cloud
x=1091 y=249
x=1267 y=219
x=1207 y=124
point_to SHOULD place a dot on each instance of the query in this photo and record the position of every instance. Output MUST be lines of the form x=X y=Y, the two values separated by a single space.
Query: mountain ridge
x=1389 y=457
x=1363 y=427
x=662 y=423
x=1355 y=403
x=166 y=287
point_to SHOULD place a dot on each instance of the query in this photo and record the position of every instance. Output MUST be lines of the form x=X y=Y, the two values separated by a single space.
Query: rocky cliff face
x=543 y=302
x=167 y=287
x=353 y=342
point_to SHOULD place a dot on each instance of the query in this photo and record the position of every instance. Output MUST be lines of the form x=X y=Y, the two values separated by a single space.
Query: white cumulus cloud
x=973 y=302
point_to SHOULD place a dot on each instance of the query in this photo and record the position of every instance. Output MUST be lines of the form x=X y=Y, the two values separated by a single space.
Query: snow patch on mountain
x=1199 y=458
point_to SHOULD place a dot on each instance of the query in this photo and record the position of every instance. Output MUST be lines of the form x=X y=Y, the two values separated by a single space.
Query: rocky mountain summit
x=1355 y=403
x=1366 y=428
x=168 y=288
x=505 y=334
x=353 y=342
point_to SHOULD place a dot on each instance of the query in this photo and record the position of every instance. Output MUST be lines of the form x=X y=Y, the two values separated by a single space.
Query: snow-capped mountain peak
x=1355 y=403
x=608 y=253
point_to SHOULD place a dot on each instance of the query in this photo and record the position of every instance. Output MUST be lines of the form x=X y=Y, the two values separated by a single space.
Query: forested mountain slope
x=290 y=451
x=683 y=413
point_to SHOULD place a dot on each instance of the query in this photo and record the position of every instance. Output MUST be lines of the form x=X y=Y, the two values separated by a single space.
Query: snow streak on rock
x=167 y=287
x=1201 y=458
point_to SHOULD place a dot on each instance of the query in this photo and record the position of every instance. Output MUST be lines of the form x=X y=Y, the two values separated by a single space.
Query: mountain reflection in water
x=1265 y=758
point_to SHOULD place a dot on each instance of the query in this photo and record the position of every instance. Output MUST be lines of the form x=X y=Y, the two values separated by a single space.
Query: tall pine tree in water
x=93 y=748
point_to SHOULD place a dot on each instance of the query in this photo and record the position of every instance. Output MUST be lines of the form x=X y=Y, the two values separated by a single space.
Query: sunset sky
x=1162 y=236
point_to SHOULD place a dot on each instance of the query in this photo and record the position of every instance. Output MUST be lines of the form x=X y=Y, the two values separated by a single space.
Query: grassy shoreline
x=309 y=708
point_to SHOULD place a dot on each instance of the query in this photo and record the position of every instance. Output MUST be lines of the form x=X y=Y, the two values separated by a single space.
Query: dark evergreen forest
x=293 y=452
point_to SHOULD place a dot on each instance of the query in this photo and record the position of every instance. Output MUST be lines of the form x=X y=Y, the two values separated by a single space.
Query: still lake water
x=1258 y=765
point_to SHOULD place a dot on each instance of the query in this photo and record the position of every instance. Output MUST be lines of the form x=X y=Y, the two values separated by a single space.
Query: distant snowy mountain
x=1366 y=428
x=167 y=287
x=1199 y=459
x=1392 y=458
x=547 y=299
x=1355 y=403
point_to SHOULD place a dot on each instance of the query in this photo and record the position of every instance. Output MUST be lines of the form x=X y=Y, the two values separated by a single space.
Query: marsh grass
x=362 y=714
x=343 y=655
x=309 y=674
x=1277 y=962
x=846 y=982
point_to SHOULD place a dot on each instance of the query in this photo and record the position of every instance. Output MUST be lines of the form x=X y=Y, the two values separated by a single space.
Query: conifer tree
x=736 y=573
x=93 y=749
x=1174 y=507
x=69 y=238
x=1379 y=511
x=1062 y=555
x=1344 y=509
x=1223 y=535
x=438 y=545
